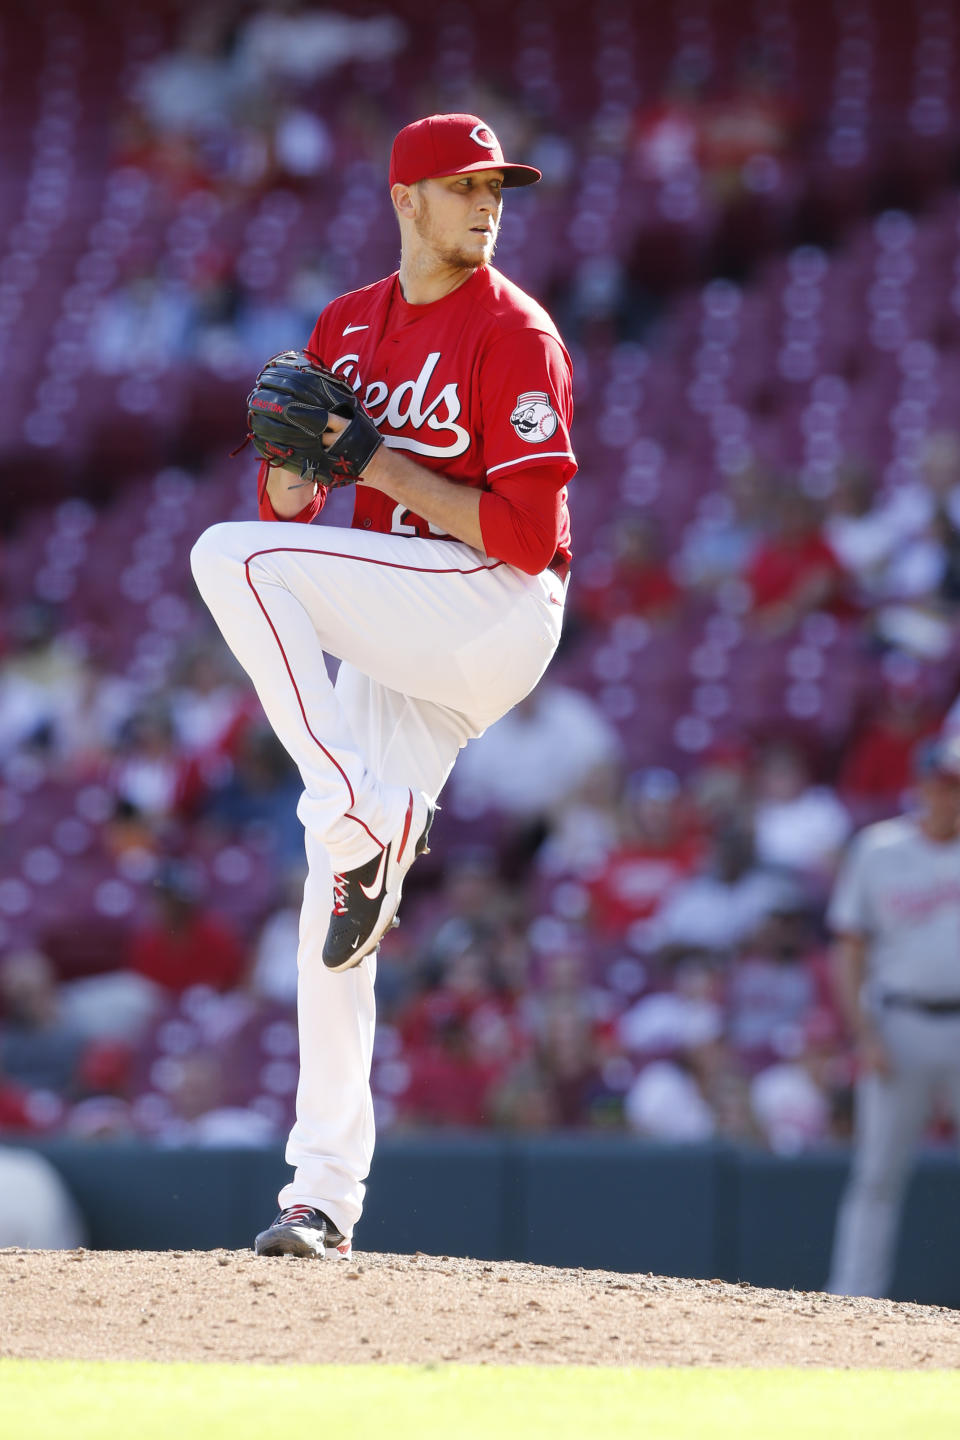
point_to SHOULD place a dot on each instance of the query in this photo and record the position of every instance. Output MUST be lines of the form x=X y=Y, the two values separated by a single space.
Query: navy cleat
x=365 y=900
x=302 y=1230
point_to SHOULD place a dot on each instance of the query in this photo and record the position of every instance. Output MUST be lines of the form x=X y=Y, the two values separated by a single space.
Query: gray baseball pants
x=891 y=1115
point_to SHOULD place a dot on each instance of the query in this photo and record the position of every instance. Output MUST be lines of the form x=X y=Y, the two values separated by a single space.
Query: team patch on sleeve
x=534 y=418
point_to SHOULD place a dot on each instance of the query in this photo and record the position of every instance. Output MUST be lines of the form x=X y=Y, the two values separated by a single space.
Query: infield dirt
x=228 y=1305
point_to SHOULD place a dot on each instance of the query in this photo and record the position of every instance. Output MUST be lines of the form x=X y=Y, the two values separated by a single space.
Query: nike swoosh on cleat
x=377 y=887
x=349 y=329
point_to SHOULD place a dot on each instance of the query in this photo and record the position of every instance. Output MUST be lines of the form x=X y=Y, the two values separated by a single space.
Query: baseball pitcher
x=896 y=913
x=443 y=393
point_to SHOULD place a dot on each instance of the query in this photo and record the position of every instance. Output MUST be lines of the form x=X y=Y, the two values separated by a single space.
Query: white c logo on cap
x=482 y=135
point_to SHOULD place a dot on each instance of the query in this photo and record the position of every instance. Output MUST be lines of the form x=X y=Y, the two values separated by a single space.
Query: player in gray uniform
x=896 y=914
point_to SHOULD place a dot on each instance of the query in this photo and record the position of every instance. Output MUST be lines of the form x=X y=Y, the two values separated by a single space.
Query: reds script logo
x=534 y=418
x=408 y=406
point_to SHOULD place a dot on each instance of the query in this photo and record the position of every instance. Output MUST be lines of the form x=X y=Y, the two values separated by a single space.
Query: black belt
x=926 y=1007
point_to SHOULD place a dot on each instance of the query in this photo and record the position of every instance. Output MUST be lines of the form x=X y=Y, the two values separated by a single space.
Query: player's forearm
x=453 y=509
x=287 y=493
x=849 y=959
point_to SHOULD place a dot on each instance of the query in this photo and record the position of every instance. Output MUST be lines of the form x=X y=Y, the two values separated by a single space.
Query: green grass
x=40 y=1400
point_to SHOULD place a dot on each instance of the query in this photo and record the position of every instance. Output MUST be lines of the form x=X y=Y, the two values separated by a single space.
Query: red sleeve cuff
x=521 y=518
x=309 y=512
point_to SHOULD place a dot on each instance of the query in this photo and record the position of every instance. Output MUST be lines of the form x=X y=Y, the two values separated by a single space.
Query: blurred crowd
x=610 y=933
x=590 y=945
x=257 y=119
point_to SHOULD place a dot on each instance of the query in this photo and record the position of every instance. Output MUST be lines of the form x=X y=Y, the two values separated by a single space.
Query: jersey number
x=404 y=522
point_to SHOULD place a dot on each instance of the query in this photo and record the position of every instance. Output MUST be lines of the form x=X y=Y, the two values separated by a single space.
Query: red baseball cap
x=451 y=145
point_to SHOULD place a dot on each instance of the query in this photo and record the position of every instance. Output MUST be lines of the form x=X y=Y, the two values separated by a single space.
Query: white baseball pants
x=436 y=642
x=891 y=1115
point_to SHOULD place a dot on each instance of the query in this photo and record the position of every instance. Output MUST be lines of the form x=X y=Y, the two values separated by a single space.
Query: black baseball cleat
x=301 y=1230
x=365 y=900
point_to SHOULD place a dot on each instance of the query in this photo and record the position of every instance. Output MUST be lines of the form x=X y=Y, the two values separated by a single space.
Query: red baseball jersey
x=477 y=385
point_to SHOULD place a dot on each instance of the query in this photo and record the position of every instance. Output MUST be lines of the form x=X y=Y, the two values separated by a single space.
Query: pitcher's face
x=458 y=217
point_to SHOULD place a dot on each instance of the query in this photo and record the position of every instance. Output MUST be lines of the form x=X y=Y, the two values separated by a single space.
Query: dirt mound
x=228 y=1305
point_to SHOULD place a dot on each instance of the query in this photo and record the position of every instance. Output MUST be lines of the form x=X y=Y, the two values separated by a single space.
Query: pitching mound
x=229 y=1305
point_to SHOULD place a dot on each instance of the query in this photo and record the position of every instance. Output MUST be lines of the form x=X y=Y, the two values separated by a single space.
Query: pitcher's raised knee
x=217 y=554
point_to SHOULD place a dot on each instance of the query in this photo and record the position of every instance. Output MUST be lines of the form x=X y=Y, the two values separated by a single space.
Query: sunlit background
x=748 y=233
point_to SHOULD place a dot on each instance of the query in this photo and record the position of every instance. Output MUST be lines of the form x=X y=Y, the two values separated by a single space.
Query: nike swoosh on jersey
x=350 y=328
x=377 y=886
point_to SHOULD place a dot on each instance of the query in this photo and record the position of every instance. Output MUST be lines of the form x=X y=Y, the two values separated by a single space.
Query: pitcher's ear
x=404 y=200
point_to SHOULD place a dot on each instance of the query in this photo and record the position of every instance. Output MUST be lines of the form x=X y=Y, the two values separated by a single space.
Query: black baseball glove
x=287 y=413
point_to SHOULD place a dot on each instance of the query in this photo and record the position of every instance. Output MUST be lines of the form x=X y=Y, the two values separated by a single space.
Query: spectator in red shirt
x=659 y=847
x=637 y=580
x=794 y=571
x=877 y=769
x=448 y=1083
x=185 y=945
x=14 y=1107
x=755 y=120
